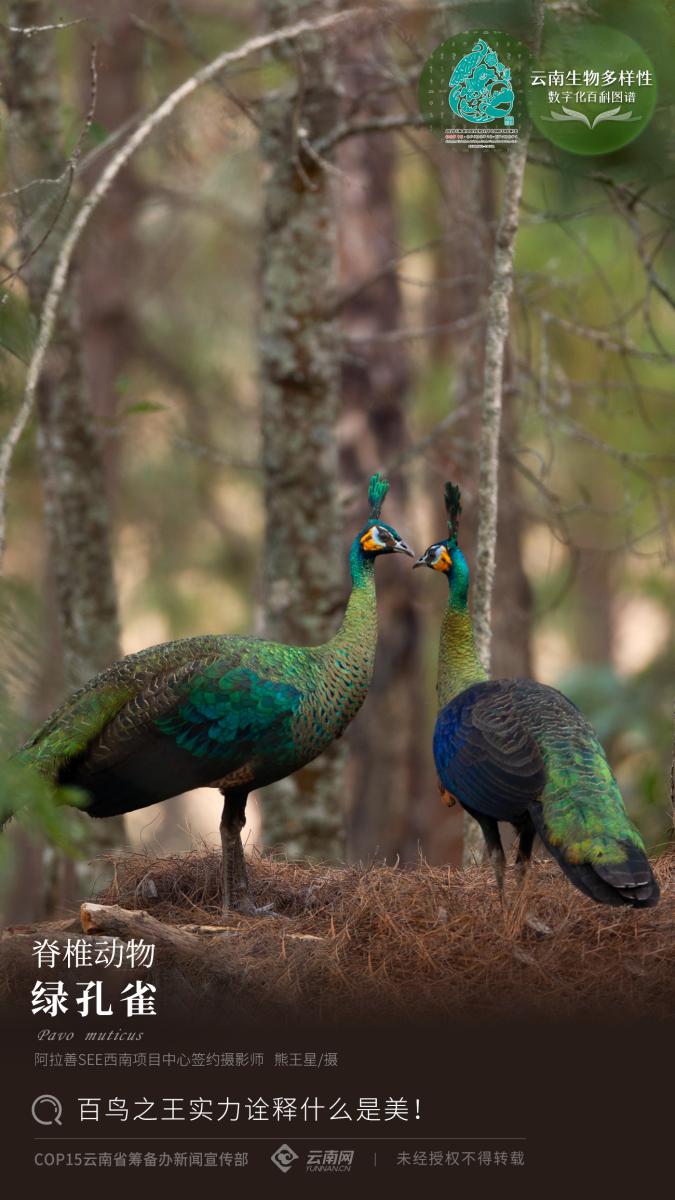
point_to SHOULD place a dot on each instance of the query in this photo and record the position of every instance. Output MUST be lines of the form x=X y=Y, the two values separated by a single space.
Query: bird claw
x=538 y=926
x=246 y=908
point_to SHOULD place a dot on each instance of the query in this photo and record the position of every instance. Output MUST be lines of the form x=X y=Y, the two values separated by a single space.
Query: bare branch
x=407 y=335
x=101 y=188
x=374 y=125
x=603 y=339
x=68 y=174
x=24 y=187
x=29 y=30
x=186 y=40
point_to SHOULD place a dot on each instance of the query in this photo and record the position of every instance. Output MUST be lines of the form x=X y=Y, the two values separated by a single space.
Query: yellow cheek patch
x=368 y=542
x=443 y=562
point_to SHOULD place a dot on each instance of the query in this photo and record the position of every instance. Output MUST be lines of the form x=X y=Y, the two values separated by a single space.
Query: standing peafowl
x=518 y=751
x=233 y=713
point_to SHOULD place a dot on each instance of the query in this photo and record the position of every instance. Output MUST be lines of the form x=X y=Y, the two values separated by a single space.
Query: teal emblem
x=472 y=90
x=480 y=87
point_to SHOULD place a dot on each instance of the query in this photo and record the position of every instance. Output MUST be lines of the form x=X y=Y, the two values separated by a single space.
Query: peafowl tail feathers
x=618 y=872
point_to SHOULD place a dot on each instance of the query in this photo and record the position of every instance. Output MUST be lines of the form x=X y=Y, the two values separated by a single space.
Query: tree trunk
x=76 y=514
x=512 y=616
x=496 y=350
x=497 y=333
x=673 y=779
x=462 y=265
x=109 y=266
x=472 y=255
x=75 y=503
x=389 y=776
x=302 y=569
x=491 y=404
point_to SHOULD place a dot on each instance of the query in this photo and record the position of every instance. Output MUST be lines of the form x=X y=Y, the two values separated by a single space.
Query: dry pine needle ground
x=402 y=941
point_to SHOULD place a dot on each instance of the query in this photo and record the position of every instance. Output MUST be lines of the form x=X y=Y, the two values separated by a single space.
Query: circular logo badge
x=592 y=89
x=472 y=90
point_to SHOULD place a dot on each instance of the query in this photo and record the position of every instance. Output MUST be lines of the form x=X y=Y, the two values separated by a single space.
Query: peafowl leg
x=495 y=851
x=527 y=833
x=235 y=878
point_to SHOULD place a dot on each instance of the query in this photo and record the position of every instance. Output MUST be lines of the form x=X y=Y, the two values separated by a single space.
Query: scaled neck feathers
x=349 y=657
x=458 y=663
x=358 y=630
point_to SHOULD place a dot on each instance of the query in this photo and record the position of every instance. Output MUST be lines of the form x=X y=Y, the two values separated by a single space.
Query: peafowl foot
x=520 y=917
x=537 y=925
x=496 y=855
x=246 y=908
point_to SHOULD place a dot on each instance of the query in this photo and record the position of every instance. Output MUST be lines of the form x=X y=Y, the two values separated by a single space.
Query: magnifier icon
x=51 y=1110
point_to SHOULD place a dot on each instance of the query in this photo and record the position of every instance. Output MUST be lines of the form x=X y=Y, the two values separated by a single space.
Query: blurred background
x=283 y=292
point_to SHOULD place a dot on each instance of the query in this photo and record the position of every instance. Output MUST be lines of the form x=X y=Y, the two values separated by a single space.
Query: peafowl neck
x=458 y=663
x=351 y=652
x=358 y=632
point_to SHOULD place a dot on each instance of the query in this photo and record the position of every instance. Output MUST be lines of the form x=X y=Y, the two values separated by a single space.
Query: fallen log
x=128 y=923
x=229 y=930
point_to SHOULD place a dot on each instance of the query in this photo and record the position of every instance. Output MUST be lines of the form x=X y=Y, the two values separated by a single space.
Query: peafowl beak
x=437 y=557
x=401 y=547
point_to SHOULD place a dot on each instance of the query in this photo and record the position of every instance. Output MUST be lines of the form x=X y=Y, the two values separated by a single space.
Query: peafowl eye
x=437 y=557
x=383 y=539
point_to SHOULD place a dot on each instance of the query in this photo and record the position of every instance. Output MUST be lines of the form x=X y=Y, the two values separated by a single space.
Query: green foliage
x=142 y=407
x=97 y=133
x=41 y=809
x=17 y=326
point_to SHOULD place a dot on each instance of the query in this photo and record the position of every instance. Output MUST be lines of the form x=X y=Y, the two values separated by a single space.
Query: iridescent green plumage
x=515 y=750
x=234 y=713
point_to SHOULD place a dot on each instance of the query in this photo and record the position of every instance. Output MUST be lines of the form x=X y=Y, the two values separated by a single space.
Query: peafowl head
x=446 y=556
x=376 y=537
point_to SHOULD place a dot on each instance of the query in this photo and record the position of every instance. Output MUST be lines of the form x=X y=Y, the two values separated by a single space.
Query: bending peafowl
x=518 y=751
x=233 y=713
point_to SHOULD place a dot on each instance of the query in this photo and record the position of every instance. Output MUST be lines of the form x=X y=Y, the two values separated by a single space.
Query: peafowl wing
x=145 y=730
x=485 y=754
x=215 y=724
x=510 y=747
x=83 y=716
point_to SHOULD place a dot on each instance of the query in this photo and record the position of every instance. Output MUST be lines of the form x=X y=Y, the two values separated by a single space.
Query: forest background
x=285 y=289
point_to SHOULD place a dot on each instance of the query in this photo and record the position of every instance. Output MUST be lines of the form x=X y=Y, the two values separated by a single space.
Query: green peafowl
x=229 y=712
x=518 y=751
